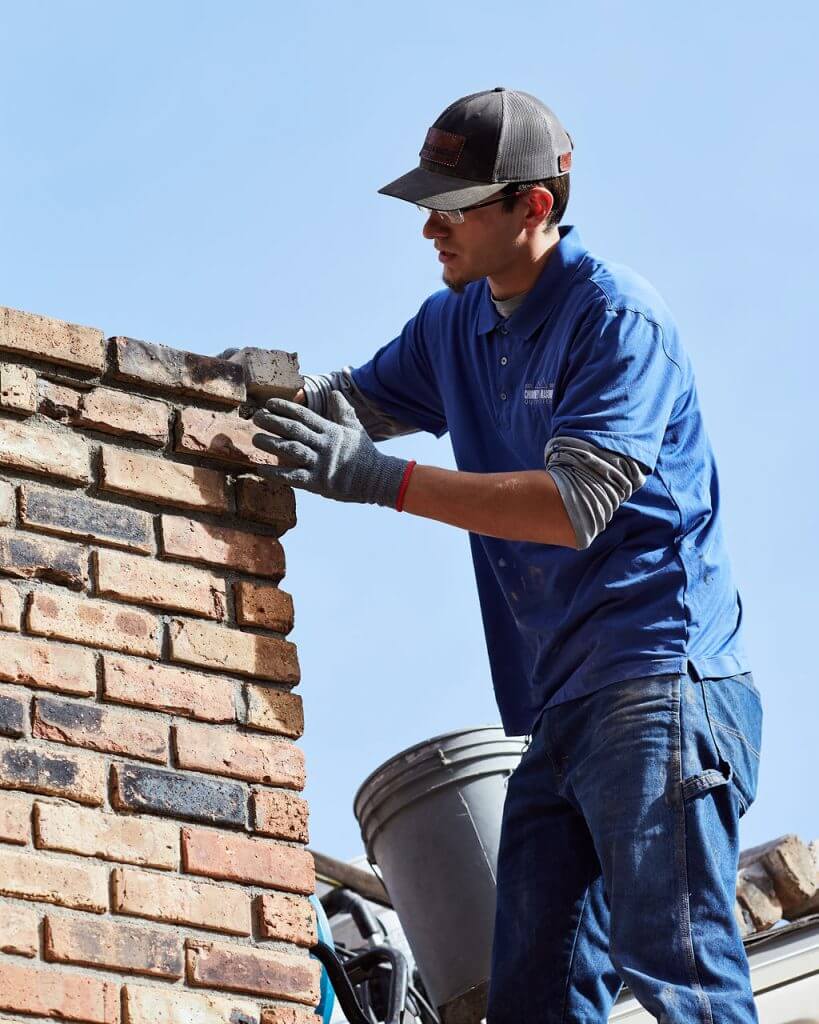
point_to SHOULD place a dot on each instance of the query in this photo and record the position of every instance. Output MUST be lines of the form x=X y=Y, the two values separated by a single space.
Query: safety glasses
x=457 y=216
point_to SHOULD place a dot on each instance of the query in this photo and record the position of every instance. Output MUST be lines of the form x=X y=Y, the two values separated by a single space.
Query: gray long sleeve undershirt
x=378 y=424
x=593 y=482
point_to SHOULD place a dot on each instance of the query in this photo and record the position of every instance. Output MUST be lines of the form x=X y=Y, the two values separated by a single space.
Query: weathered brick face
x=153 y=866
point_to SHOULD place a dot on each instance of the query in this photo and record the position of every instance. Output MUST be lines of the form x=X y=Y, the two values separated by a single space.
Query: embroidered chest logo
x=538 y=392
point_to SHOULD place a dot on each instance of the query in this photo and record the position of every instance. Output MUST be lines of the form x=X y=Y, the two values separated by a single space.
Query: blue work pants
x=619 y=853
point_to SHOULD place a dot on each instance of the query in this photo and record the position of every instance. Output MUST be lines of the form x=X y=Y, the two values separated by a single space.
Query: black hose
x=342 y=901
x=424 y=1007
x=357 y=969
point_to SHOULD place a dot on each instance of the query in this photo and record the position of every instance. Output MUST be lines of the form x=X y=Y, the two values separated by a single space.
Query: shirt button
x=503 y=396
x=504 y=329
x=504 y=360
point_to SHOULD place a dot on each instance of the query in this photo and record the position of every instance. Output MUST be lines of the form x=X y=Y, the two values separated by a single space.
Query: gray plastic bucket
x=430 y=819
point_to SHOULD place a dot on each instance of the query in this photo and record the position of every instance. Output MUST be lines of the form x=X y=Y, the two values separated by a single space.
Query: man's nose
x=434 y=227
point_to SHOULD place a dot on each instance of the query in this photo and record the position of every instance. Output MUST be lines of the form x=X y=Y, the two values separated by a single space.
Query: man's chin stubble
x=456 y=284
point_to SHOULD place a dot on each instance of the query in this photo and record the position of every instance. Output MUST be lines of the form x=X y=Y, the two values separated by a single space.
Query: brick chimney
x=153 y=867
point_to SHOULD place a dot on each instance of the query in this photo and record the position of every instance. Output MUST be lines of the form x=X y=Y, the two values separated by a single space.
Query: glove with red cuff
x=333 y=457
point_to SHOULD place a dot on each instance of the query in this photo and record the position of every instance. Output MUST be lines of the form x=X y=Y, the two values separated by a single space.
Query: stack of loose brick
x=778 y=880
x=153 y=866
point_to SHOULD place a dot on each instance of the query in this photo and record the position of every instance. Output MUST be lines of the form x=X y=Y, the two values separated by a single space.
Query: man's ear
x=540 y=202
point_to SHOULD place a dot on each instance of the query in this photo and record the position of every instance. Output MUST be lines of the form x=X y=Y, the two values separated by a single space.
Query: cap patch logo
x=442 y=147
x=564 y=162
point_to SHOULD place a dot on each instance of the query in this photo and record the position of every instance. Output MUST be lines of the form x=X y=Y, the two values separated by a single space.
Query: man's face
x=488 y=242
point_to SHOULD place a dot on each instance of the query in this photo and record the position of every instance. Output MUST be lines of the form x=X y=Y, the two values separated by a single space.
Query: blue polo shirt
x=592 y=353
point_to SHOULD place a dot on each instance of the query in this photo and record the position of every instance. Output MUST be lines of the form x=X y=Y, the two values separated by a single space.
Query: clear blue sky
x=205 y=175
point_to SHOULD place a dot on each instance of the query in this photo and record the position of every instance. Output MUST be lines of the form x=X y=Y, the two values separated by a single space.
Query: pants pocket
x=721 y=733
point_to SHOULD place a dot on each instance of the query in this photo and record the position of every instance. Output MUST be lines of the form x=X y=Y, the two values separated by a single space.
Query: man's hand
x=333 y=457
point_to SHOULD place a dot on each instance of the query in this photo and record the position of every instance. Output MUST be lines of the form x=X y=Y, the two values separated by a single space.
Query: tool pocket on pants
x=721 y=725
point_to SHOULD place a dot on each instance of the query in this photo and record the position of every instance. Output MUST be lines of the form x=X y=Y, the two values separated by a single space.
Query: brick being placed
x=175 y=372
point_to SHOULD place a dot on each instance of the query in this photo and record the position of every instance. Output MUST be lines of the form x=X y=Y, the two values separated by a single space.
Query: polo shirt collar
x=544 y=295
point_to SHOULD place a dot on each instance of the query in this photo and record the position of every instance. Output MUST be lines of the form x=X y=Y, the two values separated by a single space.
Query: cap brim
x=440 y=191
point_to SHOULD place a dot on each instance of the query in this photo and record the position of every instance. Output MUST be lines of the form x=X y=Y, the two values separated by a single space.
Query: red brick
x=47 y=666
x=113 y=837
x=237 y=858
x=29 y=557
x=229 y=650
x=180 y=588
x=274 y=711
x=165 y=688
x=209 y=748
x=117 y=412
x=44 y=992
x=790 y=864
x=69 y=514
x=179 y=1006
x=41 y=769
x=252 y=553
x=11 y=607
x=15 y=818
x=57 y=401
x=267 y=607
x=94 y=623
x=218 y=435
x=266 y=501
x=8 y=503
x=97 y=728
x=53 y=880
x=18 y=389
x=182 y=901
x=258 y=972
x=37 y=448
x=162 y=481
x=287 y=918
x=53 y=340
x=280 y=815
x=19 y=931
x=289 y=1015
x=112 y=945
x=178 y=372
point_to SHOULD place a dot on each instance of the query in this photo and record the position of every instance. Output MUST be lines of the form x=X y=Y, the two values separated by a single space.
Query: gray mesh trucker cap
x=481 y=143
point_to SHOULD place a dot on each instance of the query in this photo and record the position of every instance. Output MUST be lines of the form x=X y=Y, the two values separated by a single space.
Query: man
x=589 y=488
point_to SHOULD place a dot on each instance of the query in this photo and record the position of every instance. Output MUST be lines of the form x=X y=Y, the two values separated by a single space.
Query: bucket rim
x=430 y=741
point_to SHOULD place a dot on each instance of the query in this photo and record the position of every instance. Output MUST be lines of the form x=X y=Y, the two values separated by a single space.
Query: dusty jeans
x=619 y=852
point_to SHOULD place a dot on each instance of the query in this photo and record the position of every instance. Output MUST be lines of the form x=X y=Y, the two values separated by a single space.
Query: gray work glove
x=333 y=457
